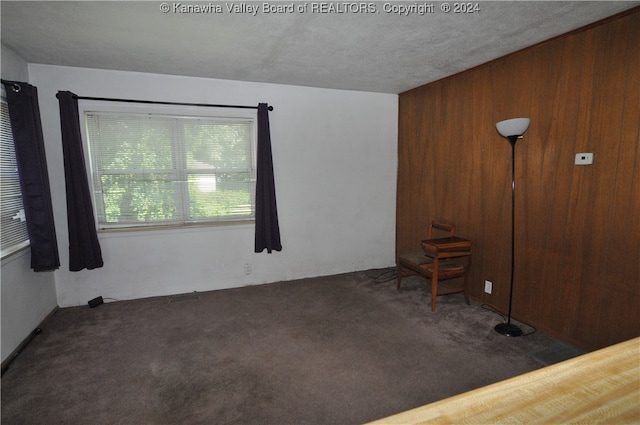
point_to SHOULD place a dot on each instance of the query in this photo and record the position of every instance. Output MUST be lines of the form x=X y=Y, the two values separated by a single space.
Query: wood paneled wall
x=577 y=271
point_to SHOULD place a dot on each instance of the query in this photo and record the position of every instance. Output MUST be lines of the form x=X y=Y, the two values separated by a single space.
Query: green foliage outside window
x=158 y=169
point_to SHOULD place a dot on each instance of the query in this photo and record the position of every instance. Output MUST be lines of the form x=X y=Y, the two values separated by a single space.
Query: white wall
x=335 y=165
x=26 y=297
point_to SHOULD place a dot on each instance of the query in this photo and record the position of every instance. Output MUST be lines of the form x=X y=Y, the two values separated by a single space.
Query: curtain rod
x=155 y=102
x=14 y=85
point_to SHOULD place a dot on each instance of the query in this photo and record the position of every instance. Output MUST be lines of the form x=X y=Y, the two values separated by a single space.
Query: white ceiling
x=377 y=52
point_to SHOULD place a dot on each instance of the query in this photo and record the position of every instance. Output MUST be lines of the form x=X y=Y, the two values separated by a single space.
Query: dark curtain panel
x=24 y=113
x=267 y=228
x=84 y=248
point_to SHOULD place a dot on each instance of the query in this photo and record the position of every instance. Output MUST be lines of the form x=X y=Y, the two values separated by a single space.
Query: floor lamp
x=512 y=129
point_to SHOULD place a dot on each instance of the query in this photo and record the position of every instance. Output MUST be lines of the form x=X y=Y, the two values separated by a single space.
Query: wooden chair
x=440 y=259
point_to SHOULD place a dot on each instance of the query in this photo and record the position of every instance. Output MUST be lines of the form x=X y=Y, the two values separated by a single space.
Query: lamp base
x=507 y=329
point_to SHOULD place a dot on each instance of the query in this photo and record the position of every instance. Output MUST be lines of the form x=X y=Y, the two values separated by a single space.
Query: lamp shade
x=513 y=127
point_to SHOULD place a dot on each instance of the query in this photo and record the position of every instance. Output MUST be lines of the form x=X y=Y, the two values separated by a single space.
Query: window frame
x=23 y=244
x=178 y=111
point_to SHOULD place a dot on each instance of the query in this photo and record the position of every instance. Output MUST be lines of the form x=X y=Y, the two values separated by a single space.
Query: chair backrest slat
x=448 y=228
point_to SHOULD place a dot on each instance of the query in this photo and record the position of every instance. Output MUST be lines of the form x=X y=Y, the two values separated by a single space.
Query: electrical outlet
x=585 y=158
x=488 y=286
x=247 y=269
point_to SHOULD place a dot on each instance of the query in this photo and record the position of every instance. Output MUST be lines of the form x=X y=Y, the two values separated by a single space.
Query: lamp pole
x=508 y=329
x=512 y=129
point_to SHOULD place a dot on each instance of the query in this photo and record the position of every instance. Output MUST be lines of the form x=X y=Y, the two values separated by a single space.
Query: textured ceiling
x=319 y=44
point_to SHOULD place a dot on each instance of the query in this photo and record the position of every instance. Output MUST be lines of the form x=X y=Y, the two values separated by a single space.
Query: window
x=13 y=232
x=159 y=169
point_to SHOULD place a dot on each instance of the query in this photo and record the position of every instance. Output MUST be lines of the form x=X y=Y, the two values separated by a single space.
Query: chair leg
x=434 y=292
x=399 y=271
x=465 y=290
x=434 y=284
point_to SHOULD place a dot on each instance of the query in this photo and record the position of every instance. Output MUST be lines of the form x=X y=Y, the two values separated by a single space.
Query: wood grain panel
x=577 y=227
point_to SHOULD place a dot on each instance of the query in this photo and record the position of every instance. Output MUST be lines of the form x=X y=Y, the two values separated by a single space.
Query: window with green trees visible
x=152 y=169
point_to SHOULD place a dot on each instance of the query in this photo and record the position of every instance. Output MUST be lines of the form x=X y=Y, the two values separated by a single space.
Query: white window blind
x=152 y=169
x=13 y=228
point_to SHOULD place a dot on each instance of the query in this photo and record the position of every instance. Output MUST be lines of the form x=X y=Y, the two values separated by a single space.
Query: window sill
x=176 y=227
x=14 y=252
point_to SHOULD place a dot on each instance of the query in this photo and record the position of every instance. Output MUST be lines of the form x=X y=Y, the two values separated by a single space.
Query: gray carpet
x=332 y=350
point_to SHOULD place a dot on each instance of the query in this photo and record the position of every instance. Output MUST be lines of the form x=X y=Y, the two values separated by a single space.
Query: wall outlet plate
x=488 y=286
x=585 y=158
